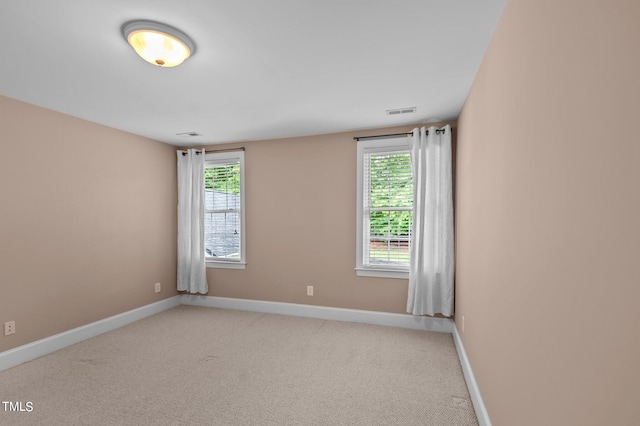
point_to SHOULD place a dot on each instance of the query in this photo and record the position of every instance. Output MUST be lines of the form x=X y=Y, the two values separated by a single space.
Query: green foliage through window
x=223 y=178
x=390 y=186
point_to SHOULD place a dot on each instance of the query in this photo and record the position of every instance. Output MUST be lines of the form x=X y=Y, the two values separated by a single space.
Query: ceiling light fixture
x=157 y=43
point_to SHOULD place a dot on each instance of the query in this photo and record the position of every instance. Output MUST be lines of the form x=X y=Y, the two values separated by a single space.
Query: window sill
x=225 y=265
x=382 y=273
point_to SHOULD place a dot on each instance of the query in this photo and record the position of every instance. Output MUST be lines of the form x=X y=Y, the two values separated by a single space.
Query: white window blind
x=223 y=208
x=387 y=209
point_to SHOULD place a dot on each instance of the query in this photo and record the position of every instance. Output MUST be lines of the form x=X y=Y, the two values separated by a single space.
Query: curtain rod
x=218 y=150
x=394 y=135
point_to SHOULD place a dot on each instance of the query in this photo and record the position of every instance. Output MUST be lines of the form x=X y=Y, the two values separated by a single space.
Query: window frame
x=218 y=158
x=371 y=146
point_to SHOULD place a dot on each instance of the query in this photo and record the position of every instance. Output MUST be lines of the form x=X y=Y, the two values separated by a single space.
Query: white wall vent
x=399 y=111
x=188 y=134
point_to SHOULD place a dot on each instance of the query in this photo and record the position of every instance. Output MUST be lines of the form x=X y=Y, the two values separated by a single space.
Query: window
x=224 y=230
x=385 y=208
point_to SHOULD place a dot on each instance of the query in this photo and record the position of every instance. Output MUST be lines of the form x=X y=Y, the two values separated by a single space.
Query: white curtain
x=431 y=273
x=191 y=265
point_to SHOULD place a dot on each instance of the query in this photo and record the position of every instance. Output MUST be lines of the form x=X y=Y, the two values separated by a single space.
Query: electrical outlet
x=158 y=288
x=9 y=328
x=309 y=290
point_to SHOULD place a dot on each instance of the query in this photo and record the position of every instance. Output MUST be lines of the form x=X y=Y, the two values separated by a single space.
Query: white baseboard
x=28 y=352
x=472 y=385
x=36 y=349
x=444 y=325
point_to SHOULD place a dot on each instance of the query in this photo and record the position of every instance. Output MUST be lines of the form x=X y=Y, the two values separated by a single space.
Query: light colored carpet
x=205 y=366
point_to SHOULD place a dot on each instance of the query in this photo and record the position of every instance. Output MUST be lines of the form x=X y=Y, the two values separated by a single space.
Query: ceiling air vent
x=188 y=134
x=399 y=111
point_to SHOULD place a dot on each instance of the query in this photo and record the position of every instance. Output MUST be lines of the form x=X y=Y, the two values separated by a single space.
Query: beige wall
x=301 y=227
x=548 y=215
x=87 y=221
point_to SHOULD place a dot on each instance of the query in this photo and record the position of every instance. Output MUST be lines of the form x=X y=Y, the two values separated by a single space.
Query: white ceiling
x=263 y=69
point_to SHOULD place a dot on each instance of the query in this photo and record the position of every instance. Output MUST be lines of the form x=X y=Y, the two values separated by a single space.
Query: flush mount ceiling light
x=157 y=43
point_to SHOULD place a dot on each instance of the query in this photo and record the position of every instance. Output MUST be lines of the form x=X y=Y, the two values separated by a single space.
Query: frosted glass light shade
x=157 y=43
